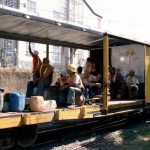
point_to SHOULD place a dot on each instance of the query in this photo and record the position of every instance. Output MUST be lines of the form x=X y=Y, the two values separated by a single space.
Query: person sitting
x=75 y=86
x=62 y=85
x=112 y=80
x=132 y=84
x=62 y=81
x=45 y=72
x=91 y=83
x=90 y=65
x=121 y=85
x=79 y=70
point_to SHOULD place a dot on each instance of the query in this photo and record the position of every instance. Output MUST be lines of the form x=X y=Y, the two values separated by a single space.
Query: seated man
x=132 y=84
x=75 y=86
x=71 y=89
x=45 y=71
x=91 y=83
x=113 y=83
x=79 y=70
x=62 y=86
x=62 y=81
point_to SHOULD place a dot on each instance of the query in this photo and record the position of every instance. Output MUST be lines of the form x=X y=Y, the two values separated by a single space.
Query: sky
x=129 y=18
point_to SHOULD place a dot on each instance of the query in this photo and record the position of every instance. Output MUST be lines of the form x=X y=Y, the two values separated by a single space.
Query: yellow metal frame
x=30 y=118
x=147 y=74
x=105 y=70
x=18 y=119
x=10 y=120
x=21 y=119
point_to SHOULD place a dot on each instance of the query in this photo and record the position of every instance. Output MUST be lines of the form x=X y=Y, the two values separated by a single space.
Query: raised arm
x=30 y=51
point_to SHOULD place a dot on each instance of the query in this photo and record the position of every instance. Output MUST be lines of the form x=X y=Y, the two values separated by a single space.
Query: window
x=80 y=22
x=27 y=49
x=56 y=55
x=58 y=15
x=31 y=6
x=25 y=65
x=11 y=3
x=9 y=48
x=80 y=57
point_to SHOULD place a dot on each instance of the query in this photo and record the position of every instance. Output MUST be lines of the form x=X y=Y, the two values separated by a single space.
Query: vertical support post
x=68 y=19
x=105 y=71
x=71 y=55
x=147 y=73
x=67 y=10
x=47 y=51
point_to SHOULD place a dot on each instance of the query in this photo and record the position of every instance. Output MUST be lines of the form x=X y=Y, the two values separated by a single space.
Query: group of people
x=77 y=84
x=71 y=88
x=123 y=88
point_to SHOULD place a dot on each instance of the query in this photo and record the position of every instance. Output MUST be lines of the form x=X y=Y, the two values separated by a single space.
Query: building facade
x=16 y=53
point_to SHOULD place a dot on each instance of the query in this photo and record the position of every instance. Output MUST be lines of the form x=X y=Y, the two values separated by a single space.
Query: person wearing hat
x=36 y=61
x=75 y=84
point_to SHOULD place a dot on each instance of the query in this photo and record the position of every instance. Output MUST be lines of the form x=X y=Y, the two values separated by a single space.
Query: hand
x=98 y=84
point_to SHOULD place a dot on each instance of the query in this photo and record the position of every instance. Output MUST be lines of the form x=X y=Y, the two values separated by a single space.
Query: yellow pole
x=147 y=74
x=105 y=71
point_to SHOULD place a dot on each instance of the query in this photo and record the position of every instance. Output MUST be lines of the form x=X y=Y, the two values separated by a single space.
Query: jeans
x=87 y=92
x=30 y=88
x=133 y=92
x=42 y=83
x=72 y=94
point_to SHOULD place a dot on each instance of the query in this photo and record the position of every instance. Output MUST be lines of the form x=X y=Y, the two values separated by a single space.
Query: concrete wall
x=129 y=57
x=15 y=80
x=12 y=80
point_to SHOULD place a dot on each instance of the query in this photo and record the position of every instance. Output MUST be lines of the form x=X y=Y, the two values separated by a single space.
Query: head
x=89 y=59
x=45 y=61
x=113 y=70
x=72 y=69
x=36 y=52
x=109 y=68
x=79 y=70
x=118 y=70
x=131 y=73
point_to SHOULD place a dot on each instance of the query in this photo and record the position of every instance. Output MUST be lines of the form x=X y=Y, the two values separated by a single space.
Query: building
x=71 y=11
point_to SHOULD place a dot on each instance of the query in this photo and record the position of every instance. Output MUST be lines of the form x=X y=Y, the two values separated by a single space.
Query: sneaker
x=71 y=106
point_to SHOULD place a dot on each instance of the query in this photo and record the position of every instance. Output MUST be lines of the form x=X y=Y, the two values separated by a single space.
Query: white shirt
x=132 y=80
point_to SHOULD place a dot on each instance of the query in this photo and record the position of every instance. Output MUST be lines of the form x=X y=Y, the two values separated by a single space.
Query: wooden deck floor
x=15 y=119
x=123 y=103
